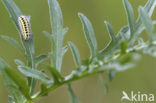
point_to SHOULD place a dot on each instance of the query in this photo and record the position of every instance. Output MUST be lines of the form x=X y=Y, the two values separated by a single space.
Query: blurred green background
x=89 y=90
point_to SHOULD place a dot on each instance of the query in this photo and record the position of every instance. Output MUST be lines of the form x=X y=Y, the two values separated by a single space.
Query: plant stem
x=31 y=64
x=54 y=86
x=71 y=78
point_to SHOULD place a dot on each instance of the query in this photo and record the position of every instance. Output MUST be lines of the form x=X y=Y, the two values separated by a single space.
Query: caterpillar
x=24 y=26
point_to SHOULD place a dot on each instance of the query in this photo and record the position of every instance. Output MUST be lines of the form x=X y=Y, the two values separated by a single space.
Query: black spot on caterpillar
x=24 y=26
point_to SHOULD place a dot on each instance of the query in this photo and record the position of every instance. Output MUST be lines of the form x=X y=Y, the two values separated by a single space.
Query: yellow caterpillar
x=24 y=25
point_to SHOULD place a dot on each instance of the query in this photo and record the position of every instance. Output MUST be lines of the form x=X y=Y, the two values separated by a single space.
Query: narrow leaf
x=89 y=34
x=14 y=43
x=103 y=83
x=73 y=98
x=75 y=53
x=64 y=31
x=130 y=16
x=111 y=74
x=55 y=16
x=13 y=89
x=35 y=74
x=58 y=50
x=111 y=32
x=125 y=34
x=57 y=53
x=65 y=49
x=58 y=34
x=150 y=6
x=22 y=84
x=48 y=35
x=40 y=58
x=147 y=22
x=13 y=10
x=56 y=75
x=19 y=62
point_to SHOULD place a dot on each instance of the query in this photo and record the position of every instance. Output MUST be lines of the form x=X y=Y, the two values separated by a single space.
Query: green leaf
x=89 y=34
x=58 y=34
x=140 y=41
x=55 y=16
x=43 y=89
x=150 y=49
x=130 y=16
x=111 y=32
x=116 y=66
x=76 y=54
x=29 y=48
x=124 y=33
x=65 y=49
x=58 y=50
x=19 y=62
x=73 y=98
x=34 y=74
x=12 y=100
x=12 y=87
x=64 y=31
x=147 y=22
x=111 y=74
x=48 y=35
x=110 y=49
x=114 y=45
x=103 y=83
x=149 y=8
x=13 y=10
x=56 y=75
x=14 y=43
x=22 y=84
x=57 y=53
x=40 y=59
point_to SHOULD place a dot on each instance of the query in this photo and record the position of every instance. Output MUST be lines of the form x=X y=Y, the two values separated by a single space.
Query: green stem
x=31 y=64
x=96 y=70
x=54 y=86
x=33 y=81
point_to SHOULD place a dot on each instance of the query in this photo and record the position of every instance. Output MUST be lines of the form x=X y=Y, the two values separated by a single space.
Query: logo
x=137 y=96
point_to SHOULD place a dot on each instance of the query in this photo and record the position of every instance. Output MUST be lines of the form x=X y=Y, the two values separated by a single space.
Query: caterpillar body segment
x=24 y=25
